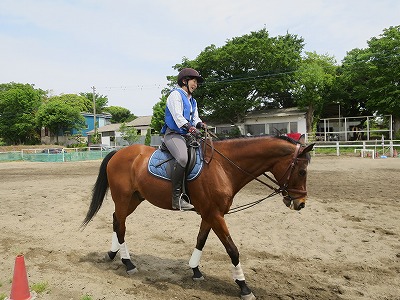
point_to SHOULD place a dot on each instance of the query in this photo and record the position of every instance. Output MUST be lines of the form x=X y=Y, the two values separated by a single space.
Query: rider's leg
x=176 y=145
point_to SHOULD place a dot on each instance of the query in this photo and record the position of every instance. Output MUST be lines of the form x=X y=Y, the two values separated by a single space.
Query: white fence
x=365 y=148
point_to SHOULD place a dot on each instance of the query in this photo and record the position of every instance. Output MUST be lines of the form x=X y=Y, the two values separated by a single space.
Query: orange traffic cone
x=20 y=287
x=394 y=153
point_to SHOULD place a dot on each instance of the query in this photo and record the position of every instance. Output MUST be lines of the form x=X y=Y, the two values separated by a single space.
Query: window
x=293 y=127
x=278 y=128
x=255 y=129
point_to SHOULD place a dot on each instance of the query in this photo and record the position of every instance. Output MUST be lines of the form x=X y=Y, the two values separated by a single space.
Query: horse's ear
x=308 y=148
x=302 y=139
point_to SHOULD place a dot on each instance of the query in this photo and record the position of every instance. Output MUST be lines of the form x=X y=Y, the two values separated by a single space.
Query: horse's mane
x=244 y=137
x=280 y=137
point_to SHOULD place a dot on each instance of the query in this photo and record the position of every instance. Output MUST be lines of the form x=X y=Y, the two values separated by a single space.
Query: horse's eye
x=302 y=172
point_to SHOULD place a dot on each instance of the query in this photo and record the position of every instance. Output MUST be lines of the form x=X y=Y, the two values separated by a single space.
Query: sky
x=126 y=48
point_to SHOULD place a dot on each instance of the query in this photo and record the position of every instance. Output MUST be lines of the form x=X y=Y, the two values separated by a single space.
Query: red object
x=20 y=287
x=294 y=135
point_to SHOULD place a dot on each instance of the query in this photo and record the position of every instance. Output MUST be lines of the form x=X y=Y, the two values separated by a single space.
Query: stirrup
x=182 y=204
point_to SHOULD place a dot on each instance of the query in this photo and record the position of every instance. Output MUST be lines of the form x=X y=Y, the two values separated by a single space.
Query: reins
x=276 y=191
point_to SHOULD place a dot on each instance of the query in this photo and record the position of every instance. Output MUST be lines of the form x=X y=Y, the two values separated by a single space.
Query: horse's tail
x=99 y=190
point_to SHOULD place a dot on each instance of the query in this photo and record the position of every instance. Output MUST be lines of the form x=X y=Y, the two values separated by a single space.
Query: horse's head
x=291 y=175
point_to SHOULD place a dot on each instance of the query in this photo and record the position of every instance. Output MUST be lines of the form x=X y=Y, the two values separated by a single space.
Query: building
x=272 y=121
x=111 y=134
x=67 y=136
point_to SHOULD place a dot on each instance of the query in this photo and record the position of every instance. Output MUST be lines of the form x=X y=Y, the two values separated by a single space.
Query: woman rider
x=181 y=117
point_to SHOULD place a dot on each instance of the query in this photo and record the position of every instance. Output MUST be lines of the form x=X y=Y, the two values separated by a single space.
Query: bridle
x=282 y=183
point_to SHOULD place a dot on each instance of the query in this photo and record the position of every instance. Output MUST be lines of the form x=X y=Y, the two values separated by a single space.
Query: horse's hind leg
x=196 y=255
x=118 y=237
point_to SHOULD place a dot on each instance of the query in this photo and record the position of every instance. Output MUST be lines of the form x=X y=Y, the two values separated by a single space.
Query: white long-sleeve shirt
x=175 y=106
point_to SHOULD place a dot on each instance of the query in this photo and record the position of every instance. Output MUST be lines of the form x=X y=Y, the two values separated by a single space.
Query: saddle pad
x=161 y=164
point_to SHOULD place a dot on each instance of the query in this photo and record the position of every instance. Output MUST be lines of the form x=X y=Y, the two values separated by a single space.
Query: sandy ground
x=344 y=245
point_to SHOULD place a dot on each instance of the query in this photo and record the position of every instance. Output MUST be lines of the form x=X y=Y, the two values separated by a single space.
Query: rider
x=181 y=117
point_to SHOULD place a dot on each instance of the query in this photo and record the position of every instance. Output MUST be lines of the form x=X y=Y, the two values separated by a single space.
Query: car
x=53 y=150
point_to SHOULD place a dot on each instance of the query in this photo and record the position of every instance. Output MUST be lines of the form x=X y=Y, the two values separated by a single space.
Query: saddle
x=161 y=161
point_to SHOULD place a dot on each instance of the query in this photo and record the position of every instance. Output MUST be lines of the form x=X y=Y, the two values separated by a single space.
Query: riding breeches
x=176 y=145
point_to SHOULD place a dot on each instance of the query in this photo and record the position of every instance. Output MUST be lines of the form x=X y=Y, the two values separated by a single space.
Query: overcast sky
x=126 y=48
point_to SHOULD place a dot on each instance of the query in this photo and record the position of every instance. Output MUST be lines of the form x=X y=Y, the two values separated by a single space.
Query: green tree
x=61 y=113
x=129 y=134
x=157 y=120
x=369 y=79
x=119 y=114
x=384 y=74
x=147 y=140
x=250 y=72
x=350 y=88
x=18 y=106
x=101 y=102
x=314 y=80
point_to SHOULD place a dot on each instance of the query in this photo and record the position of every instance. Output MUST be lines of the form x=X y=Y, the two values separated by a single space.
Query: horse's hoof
x=248 y=297
x=132 y=271
x=201 y=278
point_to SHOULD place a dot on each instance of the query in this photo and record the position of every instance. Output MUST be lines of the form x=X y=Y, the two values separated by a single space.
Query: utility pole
x=94 y=114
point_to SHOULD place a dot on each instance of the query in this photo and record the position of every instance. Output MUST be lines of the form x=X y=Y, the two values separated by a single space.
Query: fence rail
x=61 y=155
x=389 y=148
x=363 y=148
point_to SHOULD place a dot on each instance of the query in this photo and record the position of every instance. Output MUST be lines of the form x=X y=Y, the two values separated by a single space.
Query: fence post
x=337 y=149
x=391 y=148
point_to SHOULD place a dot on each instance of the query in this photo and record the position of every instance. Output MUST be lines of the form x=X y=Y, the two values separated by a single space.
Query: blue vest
x=189 y=107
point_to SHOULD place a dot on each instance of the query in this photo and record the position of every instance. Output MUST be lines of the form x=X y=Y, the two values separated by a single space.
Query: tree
x=62 y=113
x=384 y=74
x=370 y=78
x=101 y=101
x=157 y=120
x=147 y=140
x=18 y=106
x=249 y=72
x=129 y=134
x=119 y=114
x=314 y=79
x=350 y=88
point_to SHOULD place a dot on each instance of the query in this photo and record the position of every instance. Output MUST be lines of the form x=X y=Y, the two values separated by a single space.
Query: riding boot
x=177 y=179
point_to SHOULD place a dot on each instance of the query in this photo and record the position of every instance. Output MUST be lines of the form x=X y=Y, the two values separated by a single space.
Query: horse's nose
x=301 y=205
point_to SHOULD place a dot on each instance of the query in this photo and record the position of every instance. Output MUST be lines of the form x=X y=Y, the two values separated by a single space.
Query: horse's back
x=134 y=157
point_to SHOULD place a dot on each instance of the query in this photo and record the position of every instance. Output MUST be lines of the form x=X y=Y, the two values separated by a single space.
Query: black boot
x=177 y=179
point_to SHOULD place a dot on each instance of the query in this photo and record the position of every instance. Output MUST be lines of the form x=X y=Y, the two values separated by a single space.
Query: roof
x=280 y=112
x=139 y=123
x=109 y=127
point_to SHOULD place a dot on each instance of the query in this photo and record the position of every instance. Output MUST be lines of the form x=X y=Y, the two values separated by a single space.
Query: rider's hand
x=201 y=125
x=195 y=132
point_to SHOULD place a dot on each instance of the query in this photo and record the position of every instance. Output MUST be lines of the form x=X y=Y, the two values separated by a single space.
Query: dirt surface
x=344 y=245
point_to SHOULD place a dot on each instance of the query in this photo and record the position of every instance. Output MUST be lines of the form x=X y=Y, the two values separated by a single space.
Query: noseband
x=283 y=183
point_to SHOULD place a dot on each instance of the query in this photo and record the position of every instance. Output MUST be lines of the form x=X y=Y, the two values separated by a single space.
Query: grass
x=40 y=287
x=86 y=297
x=2 y=296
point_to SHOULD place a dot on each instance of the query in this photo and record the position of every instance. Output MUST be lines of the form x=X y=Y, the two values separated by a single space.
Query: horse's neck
x=252 y=155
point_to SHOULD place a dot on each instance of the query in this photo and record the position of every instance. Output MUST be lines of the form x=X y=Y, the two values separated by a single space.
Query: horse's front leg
x=196 y=255
x=221 y=230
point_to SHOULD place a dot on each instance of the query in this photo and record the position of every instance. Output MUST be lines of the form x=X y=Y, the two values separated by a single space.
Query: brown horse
x=231 y=165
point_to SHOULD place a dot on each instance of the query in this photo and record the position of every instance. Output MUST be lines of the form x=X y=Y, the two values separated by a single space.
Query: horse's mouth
x=297 y=204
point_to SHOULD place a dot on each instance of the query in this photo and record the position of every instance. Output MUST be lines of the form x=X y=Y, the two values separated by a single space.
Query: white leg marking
x=124 y=252
x=195 y=259
x=237 y=272
x=114 y=242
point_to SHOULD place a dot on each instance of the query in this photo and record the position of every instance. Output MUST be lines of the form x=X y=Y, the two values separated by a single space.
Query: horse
x=229 y=165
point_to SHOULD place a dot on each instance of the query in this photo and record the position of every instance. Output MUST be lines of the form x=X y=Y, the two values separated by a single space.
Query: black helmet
x=189 y=73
